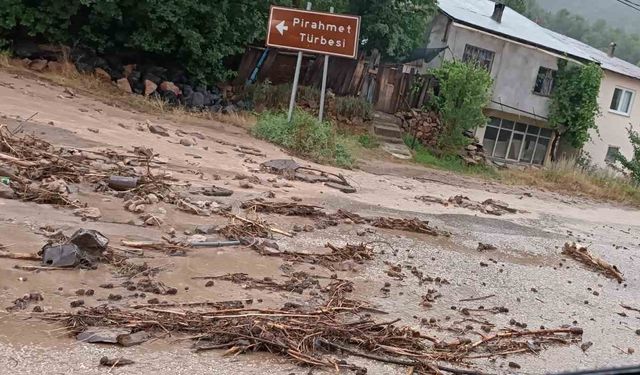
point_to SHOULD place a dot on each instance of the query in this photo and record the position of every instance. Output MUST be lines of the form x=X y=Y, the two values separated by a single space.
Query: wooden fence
x=389 y=87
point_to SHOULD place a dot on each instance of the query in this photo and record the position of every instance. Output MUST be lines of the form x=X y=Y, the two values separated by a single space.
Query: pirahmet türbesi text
x=310 y=37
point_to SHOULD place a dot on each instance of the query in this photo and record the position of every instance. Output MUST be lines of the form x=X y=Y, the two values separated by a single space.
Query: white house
x=522 y=58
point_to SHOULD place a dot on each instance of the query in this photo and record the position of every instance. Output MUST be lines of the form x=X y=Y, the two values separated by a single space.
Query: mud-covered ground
x=526 y=273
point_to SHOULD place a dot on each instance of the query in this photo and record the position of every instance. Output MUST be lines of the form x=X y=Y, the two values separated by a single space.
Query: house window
x=612 y=152
x=544 y=81
x=622 y=101
x=514 y=141
x=482 y=57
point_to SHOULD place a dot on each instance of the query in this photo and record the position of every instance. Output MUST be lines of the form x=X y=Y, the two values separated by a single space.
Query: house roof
x=477 y=13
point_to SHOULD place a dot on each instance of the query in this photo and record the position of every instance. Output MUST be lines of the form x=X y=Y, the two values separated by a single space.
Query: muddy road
x=442 y=286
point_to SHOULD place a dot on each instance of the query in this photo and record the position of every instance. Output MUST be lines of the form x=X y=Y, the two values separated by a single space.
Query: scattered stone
x=38 y=65
x=631 y=350
x=245 y=185
x=534 y=290
x=102 y=334
x=92 y=213
x=38 y=309
x=206 y=229
x=157 y=129
x=149 y=87
x=486 y=246
x=514 y=365
x=209 y=284
x=6 y=192
x=585 y=346
x=115 y=362
x=102 y=75
x=89 y=292
x=114 y=297
x=170 y=86
x=80 y=292
x=186 y=142
x=93 y=130
x=106 y=286
x=123 y=84
x=77 y=303
x=133 y=339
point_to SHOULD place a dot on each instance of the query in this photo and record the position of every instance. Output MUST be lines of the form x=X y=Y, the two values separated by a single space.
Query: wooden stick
x=627 y=307
x=36 y=268
x=398 y=361
x=16 y=161
x=266 y=227
x=573 y=330
x=22 y=256
x=477 y=298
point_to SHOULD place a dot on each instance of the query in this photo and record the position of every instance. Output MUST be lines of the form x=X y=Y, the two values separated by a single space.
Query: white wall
x=514 y=70
x=612 y=127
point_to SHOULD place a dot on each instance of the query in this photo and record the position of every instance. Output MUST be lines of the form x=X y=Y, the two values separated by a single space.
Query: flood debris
x=488 y=206
x=298 y=282
x=260 y=205
x=84 y=248
x=291 y=170
x=115 y=362
x=582 y=255
x=312 y=336
x=486 y=246
x=23 y=302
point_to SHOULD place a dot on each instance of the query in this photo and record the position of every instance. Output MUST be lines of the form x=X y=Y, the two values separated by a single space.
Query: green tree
x=574 y=103
x=465 y=90
x=632 y=165
x=519 y=6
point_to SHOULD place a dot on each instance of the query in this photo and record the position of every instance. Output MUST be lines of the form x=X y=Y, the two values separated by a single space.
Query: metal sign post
x=296 y=77
x=314 y=32
x=325 y=71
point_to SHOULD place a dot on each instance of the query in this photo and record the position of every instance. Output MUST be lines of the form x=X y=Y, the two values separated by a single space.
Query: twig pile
x=408 y=225
x=282 y=208
x=582 y=255
x=298 y=282
x=358 y=253
x=307 y=336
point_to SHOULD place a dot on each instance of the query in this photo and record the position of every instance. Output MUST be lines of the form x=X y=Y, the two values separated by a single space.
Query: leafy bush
x=368 y=141
x=353 y=107
x=574 y=102
x=198 y=35
x=632 y=165
x=305 y=136
x=453 y=163
x=464 y=93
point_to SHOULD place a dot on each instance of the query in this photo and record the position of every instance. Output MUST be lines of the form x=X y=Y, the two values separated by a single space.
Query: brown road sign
x=316 y=32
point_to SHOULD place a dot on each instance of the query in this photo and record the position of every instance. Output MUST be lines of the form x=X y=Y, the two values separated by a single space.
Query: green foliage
x=519 y=6
x=196 y=34
x=393 y=27
x=368 y=141
x=305 y=136
x=574 y=102
x=452 y=163
x=353 y=107
x=597 y=34
x=464 y=92
x=632 y=165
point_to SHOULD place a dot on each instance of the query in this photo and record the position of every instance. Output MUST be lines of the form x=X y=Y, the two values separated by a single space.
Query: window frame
x=480 y=49
x=606 y=156
x=553 y=81
x=530 y=131
x=633 y=98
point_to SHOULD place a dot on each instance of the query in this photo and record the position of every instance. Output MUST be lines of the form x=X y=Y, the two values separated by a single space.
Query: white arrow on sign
x=282 y=27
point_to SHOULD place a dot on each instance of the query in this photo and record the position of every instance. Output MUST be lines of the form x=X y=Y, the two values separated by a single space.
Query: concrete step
x=387 y=130
x=384 y=139
x=400 y=151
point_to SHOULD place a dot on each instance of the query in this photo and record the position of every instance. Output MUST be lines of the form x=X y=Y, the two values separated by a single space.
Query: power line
x=630 y=4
